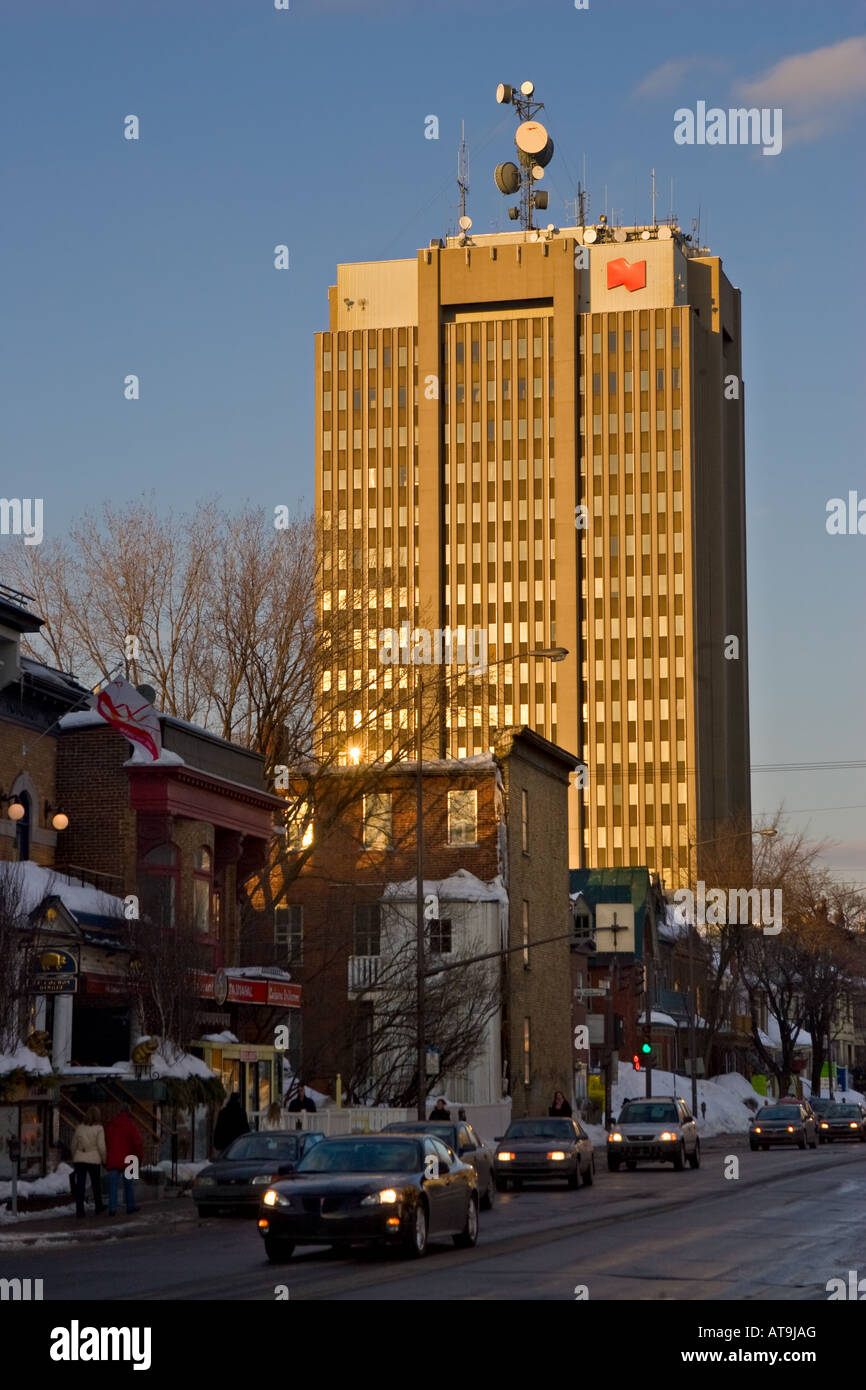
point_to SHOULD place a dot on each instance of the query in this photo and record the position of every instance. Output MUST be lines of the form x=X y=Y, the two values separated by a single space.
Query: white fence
x=489 y=1120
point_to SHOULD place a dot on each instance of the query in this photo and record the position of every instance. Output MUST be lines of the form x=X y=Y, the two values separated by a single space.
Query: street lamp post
x=697 y=844
x=543 y=654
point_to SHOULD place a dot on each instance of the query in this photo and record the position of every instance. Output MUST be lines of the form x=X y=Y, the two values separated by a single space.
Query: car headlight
x=557 y=1154
x=790 y=1129
x=757 y=1129
x=387 y=1197
x=204 y=1182
x=505 y=1157
x=264 y=1178
x=824 y=1124
x=853 y=1125
x=668 y=1135
x=614 y=1138
x=276 y=1199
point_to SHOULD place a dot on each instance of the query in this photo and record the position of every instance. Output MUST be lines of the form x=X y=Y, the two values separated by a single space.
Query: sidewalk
x=154 y=1214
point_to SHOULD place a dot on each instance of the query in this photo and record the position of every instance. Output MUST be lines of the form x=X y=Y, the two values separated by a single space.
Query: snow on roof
x=256 y=972
x=669 y=1021
x=801 y=1038
x=226 y=1036
x=673 y=924
x=83 y=719
x=79 y=898
x=460 y=887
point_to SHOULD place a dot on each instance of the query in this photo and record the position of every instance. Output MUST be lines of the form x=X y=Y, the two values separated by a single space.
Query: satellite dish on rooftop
x=531 y=137
x=527 y=88
x=504 y=92
x=645 y=234
x=620 y=234
x=507 y=178
x=665 y=233
x=465 y=223
x=590 y=235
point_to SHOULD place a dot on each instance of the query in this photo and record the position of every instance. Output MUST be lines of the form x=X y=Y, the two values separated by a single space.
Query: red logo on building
x=619 y=272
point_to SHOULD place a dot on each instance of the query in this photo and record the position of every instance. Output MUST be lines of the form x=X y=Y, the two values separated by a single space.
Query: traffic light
x=635 y=1061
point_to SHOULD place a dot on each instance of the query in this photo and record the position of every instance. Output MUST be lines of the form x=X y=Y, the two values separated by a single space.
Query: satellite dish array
x=534 y=153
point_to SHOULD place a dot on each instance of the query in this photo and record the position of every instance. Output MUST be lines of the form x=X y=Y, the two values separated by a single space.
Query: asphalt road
x=789 y=1222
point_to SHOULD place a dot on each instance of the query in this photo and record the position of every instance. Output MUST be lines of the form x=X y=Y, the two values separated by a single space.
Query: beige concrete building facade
x=539 y=441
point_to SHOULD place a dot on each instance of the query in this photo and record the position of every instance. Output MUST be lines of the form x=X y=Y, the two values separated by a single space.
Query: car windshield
x=267 y=1147
x=781 y=1112
x=539 y=1129
x=845 y=1112
x=444 y=1132
x=821 y=1106
x=645 y=1113
x=383 y=1156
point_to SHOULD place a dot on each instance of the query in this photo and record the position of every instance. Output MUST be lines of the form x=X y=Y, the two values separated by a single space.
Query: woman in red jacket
x=123 y=1143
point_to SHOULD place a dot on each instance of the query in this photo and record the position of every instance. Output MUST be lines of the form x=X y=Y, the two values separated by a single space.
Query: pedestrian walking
x=231 y=1123
x=560 y=1106
x=123 y=1142
x=88 y=1155
x=440 y=1110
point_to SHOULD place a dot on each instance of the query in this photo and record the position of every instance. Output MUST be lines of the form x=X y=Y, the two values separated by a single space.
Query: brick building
x=496 y=856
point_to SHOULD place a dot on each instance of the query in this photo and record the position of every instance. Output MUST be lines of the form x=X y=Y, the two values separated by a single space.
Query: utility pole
x=420 y=982
x=647 y=1013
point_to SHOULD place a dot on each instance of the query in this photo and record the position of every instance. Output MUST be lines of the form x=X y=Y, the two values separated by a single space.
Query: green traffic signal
x=646 y=1048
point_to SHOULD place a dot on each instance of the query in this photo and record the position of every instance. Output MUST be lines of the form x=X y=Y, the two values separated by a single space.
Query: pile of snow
x=184 y=1065
x=225 y=1037
x=54 y=1185
x=724 y=1096
x=23 y=1057
x=185 y=1171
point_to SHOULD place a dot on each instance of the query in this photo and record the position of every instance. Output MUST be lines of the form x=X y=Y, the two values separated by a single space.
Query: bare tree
x=16 y=956
x=163 y=980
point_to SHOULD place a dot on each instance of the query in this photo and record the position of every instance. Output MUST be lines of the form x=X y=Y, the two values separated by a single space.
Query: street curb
x=15 y=1238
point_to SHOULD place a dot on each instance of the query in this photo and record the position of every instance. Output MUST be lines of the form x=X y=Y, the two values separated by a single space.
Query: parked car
x=661 y=1129
x=543 y=1148
x=395 y=1189
x=235 y=1181
x=466 y=1143
x=844 y=1121
x=786 y=1123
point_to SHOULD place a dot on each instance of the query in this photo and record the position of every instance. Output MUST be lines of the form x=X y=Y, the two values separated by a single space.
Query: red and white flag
x=121 y=705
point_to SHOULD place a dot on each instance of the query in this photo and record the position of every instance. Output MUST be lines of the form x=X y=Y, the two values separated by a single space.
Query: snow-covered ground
x=54 y=1185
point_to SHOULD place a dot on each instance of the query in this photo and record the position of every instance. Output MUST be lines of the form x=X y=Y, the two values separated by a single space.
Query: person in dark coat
x=560 y=1106
x=301 y=1101
x=440 y=1110
x=231 y=1123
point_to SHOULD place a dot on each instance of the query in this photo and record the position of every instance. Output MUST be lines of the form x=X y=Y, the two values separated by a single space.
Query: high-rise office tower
x=538 y=438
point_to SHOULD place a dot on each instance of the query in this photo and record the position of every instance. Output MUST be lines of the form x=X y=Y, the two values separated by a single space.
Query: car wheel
x=590 y=1172
x=612 y=1164
x=416 y=1244
x=487 y=1199
x=469 y=1235
x=754 y=1147
x=278 y=1251
x=501 y=1184
x=631 y=1164
x=695 y=1158
x=680 y=1158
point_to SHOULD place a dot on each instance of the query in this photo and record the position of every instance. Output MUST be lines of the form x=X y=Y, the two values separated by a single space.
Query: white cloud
x=821 y=80
x=664 y=80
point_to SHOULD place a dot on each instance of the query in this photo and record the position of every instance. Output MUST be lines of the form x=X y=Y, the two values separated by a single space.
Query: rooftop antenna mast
x=653 y=195
x=534 y=153
x=463 y=170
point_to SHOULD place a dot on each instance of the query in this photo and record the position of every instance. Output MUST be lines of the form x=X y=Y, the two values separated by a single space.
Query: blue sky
x=306 y=127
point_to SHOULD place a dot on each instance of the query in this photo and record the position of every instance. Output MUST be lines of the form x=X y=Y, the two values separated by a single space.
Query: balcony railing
x=363 y=972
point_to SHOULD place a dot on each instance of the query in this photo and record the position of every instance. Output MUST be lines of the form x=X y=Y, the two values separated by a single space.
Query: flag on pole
x=121 y=705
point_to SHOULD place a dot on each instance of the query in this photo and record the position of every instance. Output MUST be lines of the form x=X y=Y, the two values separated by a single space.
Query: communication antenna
x=534 y=153
x=463 y=170
x=653 y=196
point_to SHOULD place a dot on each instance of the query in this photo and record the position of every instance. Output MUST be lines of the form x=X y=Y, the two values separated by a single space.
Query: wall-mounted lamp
x=59 y=819
x=16 y=808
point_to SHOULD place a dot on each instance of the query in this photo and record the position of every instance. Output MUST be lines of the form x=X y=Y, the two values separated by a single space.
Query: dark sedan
x=783 y=1124
x=844 y=1121
x=466 y=1143
x=543 y=1148
x=389 y=1189
x=236 y=1180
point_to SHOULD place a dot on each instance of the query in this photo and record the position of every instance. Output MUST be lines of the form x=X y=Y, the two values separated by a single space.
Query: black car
x=820 y=1105
x=788 y=1123
x=466 y=1143
x=544 y=1148
x=236 y=1180
x=391 y=1189
x=844 y=1121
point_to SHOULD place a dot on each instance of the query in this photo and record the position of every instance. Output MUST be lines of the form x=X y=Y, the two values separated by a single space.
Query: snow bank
x=724 y=1096
x=23 y=1057
x=54 y=1185
x=37 y=883
x=46 y=1214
